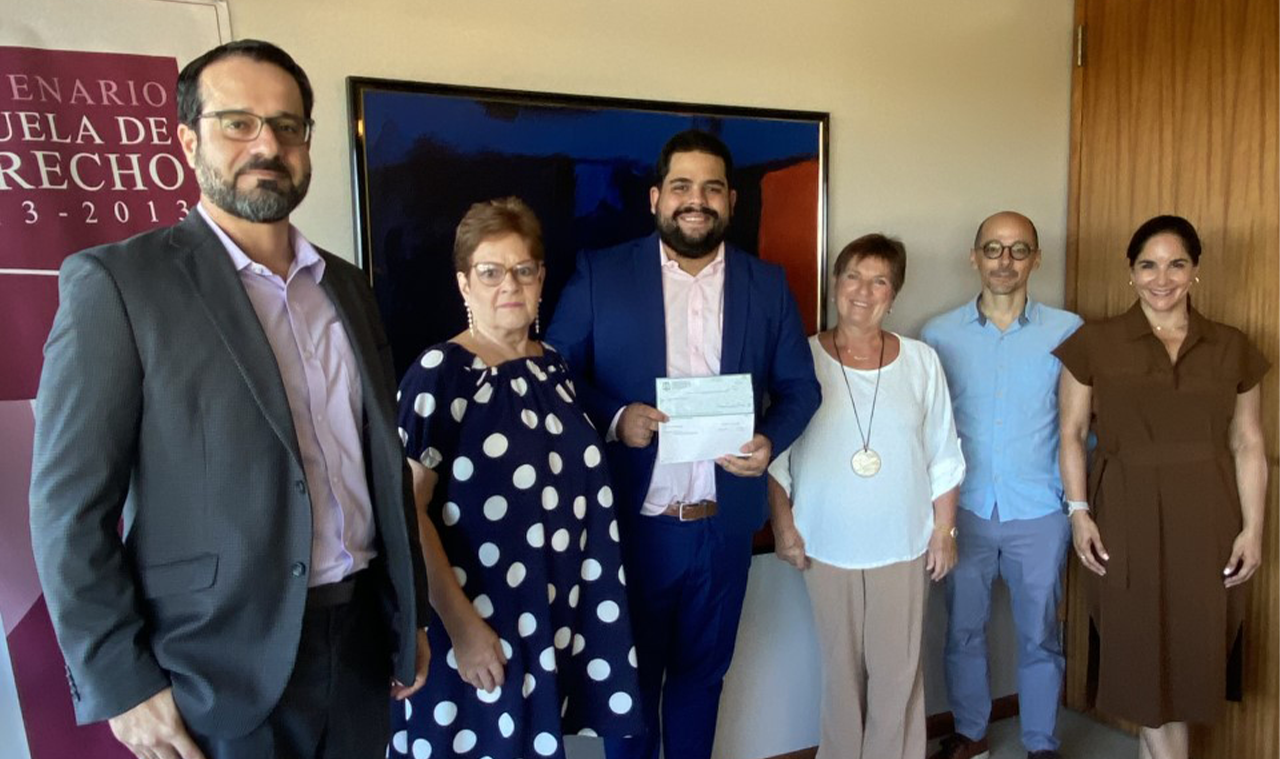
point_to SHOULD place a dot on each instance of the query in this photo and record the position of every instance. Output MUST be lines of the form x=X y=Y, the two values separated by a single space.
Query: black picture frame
x=423 y=152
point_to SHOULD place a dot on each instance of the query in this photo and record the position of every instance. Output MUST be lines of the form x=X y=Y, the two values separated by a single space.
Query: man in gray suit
x=225 y=388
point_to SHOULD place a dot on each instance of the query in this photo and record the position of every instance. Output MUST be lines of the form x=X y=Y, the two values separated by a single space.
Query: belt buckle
x=682 y=504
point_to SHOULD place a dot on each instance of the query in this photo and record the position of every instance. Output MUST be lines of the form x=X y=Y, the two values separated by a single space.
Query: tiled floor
x=1082 y=738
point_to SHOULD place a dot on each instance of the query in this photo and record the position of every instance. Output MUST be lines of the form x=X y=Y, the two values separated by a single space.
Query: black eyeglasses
x=1018 y=251
x=243 y=126
x=492 y=274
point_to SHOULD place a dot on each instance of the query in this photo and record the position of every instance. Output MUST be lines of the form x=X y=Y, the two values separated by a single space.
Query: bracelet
x=1074 y=506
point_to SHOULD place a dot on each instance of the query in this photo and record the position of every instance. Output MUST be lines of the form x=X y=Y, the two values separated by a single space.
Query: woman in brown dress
x=1177 y=487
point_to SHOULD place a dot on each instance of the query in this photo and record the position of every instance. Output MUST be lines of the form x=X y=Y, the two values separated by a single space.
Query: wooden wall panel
x=1175 y=111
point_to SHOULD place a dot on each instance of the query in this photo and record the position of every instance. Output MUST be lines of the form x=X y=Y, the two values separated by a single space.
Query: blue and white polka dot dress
x=525 y=512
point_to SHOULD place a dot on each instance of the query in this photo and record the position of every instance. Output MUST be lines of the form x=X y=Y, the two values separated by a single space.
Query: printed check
x=709 y=417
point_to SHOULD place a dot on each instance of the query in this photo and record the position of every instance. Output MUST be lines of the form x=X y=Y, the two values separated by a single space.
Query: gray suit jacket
x=161 y=403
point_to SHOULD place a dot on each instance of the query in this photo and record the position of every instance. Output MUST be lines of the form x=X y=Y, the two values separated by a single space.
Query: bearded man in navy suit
x=683 y=303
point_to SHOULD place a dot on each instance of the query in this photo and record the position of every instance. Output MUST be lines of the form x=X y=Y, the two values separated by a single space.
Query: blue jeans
x=1029 y=555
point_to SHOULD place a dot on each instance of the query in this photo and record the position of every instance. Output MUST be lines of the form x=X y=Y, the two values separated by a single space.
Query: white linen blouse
x=858 y=522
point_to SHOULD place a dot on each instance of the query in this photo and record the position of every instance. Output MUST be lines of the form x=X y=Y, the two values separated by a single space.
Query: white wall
x=942 y=111
x=146 y=27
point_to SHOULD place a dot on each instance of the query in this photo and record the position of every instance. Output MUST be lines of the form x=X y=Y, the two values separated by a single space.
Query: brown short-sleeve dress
x=1162 y=487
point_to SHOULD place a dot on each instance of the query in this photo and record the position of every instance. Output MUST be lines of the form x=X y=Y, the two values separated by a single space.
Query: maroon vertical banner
x=88 y=155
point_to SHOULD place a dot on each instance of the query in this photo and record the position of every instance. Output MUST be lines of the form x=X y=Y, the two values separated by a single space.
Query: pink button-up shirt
x=695 y=327
x=322 y=383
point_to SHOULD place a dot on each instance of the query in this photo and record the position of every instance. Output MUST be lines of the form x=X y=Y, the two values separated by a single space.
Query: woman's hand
x=940 y=558
x=788 y=544
x=1246 y=556
x=1088 y=543
x=478 y=650
x=1248 y=447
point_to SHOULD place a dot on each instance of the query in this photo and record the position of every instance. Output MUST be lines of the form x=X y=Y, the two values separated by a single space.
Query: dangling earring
x=471 y=320
x=1197 y=280
x=537 y=318
x=1131 y=283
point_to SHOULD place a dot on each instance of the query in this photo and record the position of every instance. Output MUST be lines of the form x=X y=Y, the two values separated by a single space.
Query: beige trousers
x=870 y=630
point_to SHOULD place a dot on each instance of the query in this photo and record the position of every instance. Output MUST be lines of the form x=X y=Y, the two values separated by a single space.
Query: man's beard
x=271 y=200
x=692 y=247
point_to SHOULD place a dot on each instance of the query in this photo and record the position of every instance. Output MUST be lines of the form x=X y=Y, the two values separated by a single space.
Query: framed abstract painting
x=423 y=153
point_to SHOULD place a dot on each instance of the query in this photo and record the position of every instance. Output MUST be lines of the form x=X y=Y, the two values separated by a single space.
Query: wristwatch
x=951 y=531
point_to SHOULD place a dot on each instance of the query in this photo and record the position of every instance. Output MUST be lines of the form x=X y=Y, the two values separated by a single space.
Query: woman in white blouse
x=873 y=480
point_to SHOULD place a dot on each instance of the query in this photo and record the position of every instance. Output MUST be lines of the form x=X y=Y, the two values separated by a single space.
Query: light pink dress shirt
x=322 y=383
x=695 y=327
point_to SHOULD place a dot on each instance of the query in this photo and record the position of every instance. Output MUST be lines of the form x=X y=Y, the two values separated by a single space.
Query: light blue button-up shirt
x=1004 y=391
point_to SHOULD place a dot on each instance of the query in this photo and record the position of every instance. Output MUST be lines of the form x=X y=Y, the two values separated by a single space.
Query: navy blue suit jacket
x=610 y=327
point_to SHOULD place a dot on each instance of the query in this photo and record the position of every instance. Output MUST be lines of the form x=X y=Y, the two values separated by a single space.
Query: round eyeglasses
x=492 y=274
x=242 y=126
x=1018 y=251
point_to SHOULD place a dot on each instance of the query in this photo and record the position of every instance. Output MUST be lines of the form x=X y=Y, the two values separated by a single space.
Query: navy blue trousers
x=685 y=584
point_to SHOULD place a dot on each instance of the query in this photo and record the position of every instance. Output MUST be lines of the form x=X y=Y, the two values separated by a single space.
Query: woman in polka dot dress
x=516 y=519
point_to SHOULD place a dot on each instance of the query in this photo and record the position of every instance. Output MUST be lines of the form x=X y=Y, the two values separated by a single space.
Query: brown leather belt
x=691 y=512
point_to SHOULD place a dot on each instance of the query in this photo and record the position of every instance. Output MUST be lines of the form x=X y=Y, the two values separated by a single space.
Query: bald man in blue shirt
x=996 y=351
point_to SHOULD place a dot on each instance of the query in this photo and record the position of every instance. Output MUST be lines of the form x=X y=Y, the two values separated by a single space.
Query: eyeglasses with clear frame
x=994 y=249
x=492 y=274
x=243 y=126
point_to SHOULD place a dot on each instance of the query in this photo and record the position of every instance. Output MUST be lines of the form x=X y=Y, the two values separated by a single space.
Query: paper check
x=710 y=417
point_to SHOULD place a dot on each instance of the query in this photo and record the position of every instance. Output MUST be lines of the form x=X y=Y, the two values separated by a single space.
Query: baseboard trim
x=804 y=753
x=936 y=725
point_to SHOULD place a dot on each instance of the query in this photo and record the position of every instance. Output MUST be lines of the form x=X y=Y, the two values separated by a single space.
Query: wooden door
x=1175 y=111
